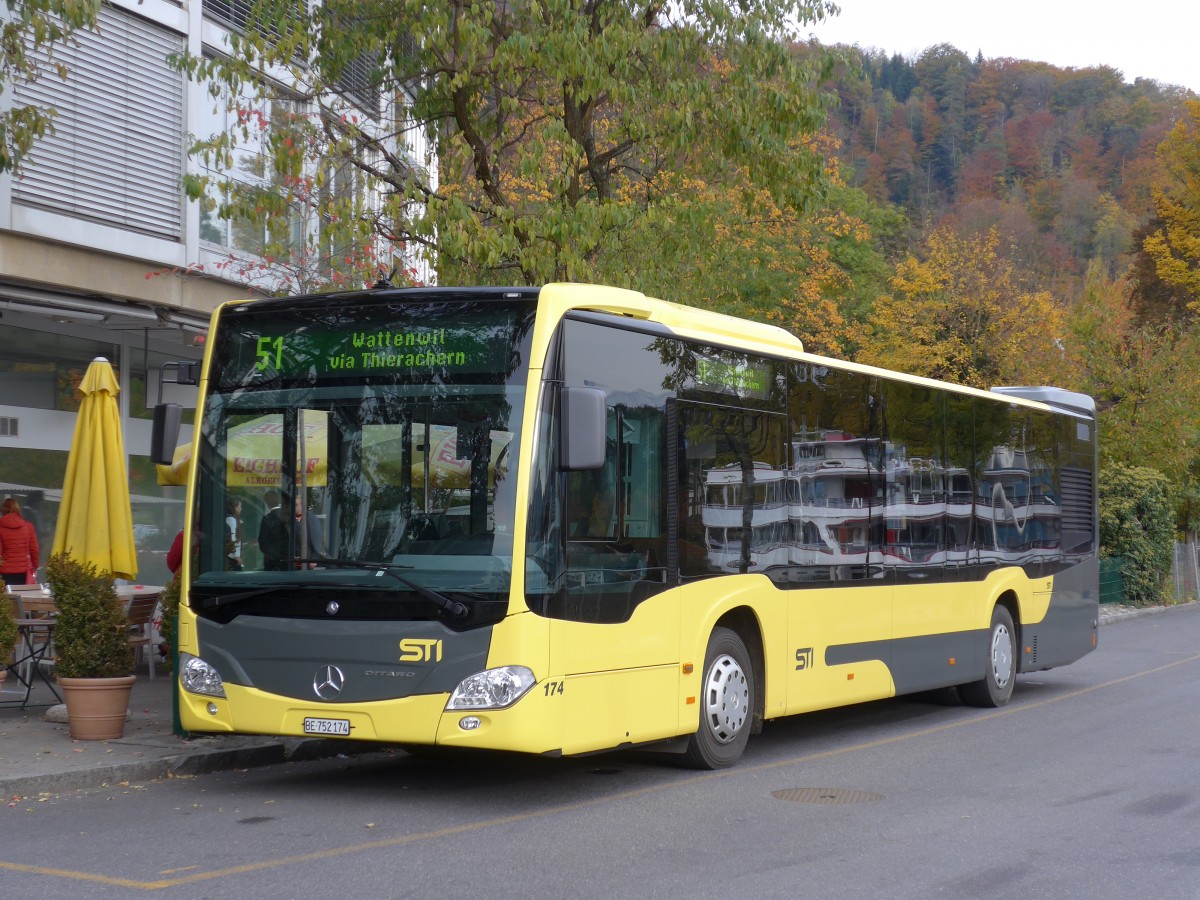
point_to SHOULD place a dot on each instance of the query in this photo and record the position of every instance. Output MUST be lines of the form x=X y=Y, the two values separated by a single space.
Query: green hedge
x=1137 y=517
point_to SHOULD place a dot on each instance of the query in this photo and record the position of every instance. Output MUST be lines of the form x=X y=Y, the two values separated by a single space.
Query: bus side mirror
x=164 y=434
x=583 y=428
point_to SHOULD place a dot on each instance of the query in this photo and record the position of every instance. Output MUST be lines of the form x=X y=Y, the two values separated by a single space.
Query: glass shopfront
x=42 y=361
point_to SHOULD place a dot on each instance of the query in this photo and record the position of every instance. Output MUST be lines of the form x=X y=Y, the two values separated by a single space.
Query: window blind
x=116 y=154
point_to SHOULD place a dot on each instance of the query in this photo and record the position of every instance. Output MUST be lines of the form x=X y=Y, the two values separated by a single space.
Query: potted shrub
x=8 y=633
x=169 y=603
x=93 y=658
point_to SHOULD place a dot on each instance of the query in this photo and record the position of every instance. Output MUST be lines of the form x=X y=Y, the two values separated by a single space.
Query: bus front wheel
x=1000 y=669
x=726 y=703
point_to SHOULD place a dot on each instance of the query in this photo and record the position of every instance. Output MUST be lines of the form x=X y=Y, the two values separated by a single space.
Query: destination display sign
x=734 y=373
x=403 y=341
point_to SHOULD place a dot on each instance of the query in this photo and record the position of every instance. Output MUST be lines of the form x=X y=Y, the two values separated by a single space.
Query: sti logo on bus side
x=420 y=650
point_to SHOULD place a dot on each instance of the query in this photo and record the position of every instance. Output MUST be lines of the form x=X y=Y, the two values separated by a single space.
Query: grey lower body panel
x=1069 y=629
x=1066 y=633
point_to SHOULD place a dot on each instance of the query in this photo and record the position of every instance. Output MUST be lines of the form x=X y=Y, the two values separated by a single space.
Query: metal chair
x=37 y=643
x=139 y=611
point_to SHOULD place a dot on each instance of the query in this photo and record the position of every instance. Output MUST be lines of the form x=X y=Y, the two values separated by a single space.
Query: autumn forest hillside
x=1061 y=161
x=1051 y=220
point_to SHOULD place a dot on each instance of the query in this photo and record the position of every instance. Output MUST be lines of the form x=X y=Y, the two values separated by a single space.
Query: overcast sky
x=1157 y=39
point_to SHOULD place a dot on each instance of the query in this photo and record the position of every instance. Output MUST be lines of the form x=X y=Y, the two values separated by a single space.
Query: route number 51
x=265 y=346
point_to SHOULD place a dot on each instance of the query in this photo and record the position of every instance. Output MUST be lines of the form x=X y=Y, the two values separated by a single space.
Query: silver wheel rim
x=1002 y=657
x=726 y=699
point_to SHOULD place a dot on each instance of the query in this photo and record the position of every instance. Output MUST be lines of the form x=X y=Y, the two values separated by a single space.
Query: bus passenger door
x=614 y=631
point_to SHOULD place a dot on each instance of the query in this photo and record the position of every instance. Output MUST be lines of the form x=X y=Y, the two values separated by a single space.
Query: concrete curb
x=1110 y=614
x=216 y=754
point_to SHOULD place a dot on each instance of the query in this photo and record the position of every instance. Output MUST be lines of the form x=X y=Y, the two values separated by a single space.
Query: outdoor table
x=37 y=606
x=33 y=649
x=128 y=591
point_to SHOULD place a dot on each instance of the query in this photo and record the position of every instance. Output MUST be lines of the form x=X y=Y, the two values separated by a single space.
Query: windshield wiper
x=453 y=607
x=215 y=602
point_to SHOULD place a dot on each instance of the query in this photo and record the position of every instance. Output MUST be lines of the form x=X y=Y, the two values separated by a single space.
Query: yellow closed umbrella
x=95 y=521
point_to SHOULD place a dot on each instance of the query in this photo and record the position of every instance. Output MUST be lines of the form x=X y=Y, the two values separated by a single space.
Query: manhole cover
x=825 y=795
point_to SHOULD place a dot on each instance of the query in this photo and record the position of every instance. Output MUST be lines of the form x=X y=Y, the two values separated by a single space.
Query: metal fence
x=1112 y=584
x=1185 y=571
x=1185 y=575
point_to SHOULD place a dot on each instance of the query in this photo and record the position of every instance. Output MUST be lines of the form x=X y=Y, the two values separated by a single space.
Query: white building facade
x=101 y=253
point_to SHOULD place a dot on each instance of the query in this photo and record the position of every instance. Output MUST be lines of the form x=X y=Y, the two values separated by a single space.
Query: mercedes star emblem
x=328 y=682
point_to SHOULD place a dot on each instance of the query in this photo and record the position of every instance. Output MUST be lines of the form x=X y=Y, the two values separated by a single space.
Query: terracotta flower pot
x=97 y=707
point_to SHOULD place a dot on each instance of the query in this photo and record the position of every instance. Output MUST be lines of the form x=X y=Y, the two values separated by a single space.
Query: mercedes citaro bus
x=573 y=518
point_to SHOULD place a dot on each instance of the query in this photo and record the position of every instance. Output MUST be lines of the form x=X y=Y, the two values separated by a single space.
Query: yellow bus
x=573 y=518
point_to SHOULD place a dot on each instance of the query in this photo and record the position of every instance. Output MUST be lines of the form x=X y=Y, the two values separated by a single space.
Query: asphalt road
x=1086 y=785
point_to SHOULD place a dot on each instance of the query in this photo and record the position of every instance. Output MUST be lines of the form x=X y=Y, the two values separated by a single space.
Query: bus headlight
x=198 y=677
x=492 y=689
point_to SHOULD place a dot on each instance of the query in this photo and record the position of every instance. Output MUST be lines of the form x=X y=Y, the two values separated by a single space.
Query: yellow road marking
x=568 y=807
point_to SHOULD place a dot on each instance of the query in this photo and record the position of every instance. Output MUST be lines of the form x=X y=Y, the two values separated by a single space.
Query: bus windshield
x=361 y=450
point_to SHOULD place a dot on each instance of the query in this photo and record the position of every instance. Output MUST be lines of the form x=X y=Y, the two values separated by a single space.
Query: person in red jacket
x=18 y=544
x=175 y=554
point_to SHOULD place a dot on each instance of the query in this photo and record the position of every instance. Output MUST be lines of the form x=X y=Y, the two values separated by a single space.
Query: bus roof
x=696 y=323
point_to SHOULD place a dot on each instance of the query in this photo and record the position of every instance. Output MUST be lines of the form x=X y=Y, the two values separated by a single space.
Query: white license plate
x=327 y=726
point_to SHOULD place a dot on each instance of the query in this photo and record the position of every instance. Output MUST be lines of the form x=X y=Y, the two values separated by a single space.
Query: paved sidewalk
x=38 y=757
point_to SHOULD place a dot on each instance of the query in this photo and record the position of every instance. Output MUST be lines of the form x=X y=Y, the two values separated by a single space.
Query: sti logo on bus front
x=420 y=650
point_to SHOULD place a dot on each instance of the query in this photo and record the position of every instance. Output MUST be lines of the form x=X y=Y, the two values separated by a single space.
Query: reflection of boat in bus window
x=723 y=515
x=1019 y=516
x=915 y=510
x=830 y=499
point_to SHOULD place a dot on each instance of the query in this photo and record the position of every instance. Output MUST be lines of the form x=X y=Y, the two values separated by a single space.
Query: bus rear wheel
x=726 y=703
x=1000 y=671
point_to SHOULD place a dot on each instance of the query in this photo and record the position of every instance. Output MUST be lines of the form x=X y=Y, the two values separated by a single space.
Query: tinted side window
x=733 y=490
x=607 y=541
x=836 y=478
x=1019 y=504
x=961 y=473
x=915 y=474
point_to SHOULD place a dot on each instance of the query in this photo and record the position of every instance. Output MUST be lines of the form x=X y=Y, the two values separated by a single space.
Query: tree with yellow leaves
x=1139 y=374
x=1175 y=247
x=559 y=127
x=722 y=245
x=960 y=314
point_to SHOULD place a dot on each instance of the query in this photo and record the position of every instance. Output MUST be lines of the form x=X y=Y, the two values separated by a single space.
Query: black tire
x=726 y=703
x=1000 y=666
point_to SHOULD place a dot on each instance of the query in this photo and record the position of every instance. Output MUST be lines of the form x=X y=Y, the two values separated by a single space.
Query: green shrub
x=170 y=611
x=91 y=634
x=8 y=627
x=1137 y=518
